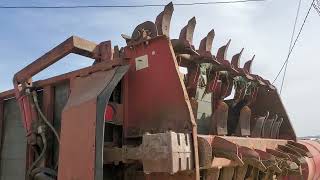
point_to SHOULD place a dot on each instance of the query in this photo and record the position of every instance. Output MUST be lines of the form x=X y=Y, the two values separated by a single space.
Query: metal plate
x=270 y=100
x=276 y=128
x=141 y=62
x=13 y=154
x=82 y=125
x=257 y=129
x=159 y=83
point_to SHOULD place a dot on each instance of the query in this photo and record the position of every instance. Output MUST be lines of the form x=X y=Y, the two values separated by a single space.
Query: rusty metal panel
x=82 y=125
x=276 y=128
x=312 y=172
x=267 y=127
x=227 y=173
x=244 y=121
x=257 y=129
x=205 y=153
x=165 y=101
x=13 y=151
x=270 y=101
x=212 y=174
x=240 y=172
x=159 y=81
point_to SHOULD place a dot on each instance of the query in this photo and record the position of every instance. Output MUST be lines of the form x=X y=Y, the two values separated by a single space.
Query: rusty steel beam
x=106 y=65
x=48 y=110
x=73 y=44
x=7 y=94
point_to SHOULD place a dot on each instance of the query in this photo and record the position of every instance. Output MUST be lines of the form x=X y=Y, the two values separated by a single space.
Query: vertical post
x=48 y=109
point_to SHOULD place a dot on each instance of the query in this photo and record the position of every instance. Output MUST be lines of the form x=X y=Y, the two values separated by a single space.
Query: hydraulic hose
x=45 y=144
x=35 y=99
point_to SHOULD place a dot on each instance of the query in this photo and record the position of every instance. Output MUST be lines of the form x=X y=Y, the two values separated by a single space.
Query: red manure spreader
x=133 y=115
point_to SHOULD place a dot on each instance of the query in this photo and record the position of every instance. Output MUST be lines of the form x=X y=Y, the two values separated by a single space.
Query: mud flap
x=82 y=129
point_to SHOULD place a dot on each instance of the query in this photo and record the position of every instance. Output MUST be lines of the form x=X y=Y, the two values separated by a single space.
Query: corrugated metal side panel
x=13 y=154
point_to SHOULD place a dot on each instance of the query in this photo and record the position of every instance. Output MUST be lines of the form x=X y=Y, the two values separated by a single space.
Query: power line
x=295 y=42
x=290 y=45
x=127 y=6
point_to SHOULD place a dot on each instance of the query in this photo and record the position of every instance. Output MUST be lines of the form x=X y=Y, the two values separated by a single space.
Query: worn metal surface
x=238 y=152
x=163 y=20
x=168 y=152
x=219 y=119
x=85 y=108
x=270 y=100
x=313 y=162
x=179 y=147
x=212 y=174
x=276 y=128
x=258 y=126
x=172 y=109
x=267 y=126
x=244 y=122
x=186 y=33
x=13 y=146
x=227 y=173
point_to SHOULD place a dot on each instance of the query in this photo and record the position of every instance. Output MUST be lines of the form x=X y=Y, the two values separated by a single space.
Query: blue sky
x=263 y=29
